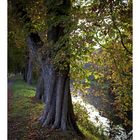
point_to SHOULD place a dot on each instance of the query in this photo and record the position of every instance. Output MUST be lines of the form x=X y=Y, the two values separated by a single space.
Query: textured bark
x=24 y=73
x=59 y=99
x=58 y=112
x=34 y=43
x=64 y=118
x=40 y=89
x=30 y=61
x=30 y=69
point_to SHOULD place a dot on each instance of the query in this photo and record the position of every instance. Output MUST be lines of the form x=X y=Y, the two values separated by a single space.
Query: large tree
x=58 y=112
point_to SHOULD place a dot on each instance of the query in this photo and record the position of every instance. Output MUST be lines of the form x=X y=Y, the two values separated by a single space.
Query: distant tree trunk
x=40 y=89
x=30 y=63
x=30 y=71
x=58 y=112
x=25 y=70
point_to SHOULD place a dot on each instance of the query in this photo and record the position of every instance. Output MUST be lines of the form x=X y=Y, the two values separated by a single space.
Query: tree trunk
x=30 y=70
x=40 y=89
x=58 y=112
x=30 y=62
x=24 y=72
x=54 y=87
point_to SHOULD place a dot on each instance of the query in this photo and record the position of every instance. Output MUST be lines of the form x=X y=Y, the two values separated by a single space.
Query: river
x=115 y=133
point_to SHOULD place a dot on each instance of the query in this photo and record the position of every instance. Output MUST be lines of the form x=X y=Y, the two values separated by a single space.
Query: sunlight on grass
x=21 y=88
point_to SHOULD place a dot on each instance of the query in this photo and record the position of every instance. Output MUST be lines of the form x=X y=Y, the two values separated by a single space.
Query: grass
x=24 y=111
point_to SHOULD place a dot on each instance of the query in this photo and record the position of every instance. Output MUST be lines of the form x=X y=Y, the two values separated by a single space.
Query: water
x=117 y=132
